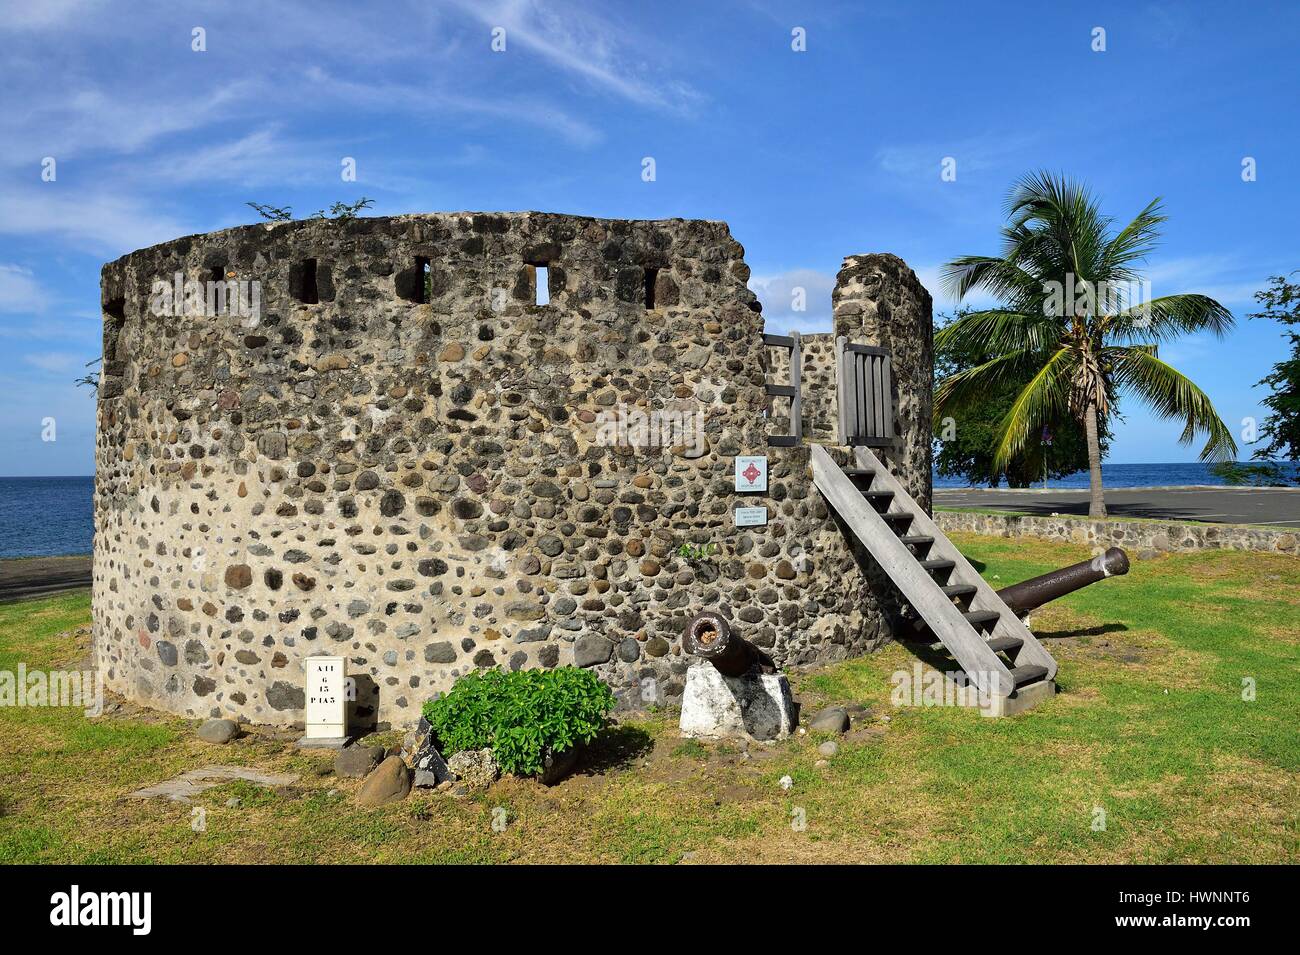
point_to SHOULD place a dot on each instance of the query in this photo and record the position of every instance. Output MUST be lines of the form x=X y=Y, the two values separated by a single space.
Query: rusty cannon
x=1029 y=595
x=710 y=637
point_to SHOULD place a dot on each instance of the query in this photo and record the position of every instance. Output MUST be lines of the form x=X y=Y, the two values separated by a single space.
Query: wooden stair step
x=1005 y=644
x=1028 y=673
x=898 y=518
x=860 y=472
x=958 y=590
x=879 y=497
x=917 y=540
x=938 y=564
x=977 y=618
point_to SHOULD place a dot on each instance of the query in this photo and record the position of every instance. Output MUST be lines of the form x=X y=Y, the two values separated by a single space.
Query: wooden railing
x=791 y=391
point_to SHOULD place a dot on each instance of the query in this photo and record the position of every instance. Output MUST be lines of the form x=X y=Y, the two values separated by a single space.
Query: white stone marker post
x=326 y=701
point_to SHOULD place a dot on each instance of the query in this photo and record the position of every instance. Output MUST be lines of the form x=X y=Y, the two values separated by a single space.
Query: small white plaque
x=751 y=516
x=326 y=694
x=751 y=472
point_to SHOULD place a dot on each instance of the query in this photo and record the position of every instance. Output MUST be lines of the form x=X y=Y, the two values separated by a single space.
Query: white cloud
x=19 y=290
x=922 y=161
x=93 y=120
x=55 y=362
x=584 y=44
x=45 y=14
x=434 y=102
x=97 y=222
x=780 y=294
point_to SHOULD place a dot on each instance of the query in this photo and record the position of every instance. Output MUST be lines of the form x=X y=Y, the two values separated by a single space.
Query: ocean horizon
x=54 y=516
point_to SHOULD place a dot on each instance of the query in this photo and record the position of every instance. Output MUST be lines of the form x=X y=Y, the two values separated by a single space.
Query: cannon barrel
x=710 y=637
x=1033 y=593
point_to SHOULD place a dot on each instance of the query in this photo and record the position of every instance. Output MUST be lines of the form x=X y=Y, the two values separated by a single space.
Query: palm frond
x=1172 y=395
x=1133 y=243
x=994 y=331
x=997 y=276
x=1169 y=317
x=1043 y=399
x=973 y=384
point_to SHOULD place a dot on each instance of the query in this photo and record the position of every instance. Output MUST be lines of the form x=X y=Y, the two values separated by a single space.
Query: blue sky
x=810 y=156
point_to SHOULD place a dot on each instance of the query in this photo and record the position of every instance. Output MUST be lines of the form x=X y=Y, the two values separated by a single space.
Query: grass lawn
x=1150 y=730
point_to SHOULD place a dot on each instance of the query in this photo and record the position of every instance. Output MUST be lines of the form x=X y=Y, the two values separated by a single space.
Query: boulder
x=218 y=731
x=833 y=719
x=357 y=761
x=476 y=768
x=557 y=766
x=430 y=768
x=391 y=782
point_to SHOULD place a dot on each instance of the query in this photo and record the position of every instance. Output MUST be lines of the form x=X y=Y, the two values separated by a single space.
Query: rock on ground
x=555 y=767
x=476 y=768
x=391 y=782
x=430 y=768
x=356 y=761
x=188 y=785
x=218 y=731
x=833 y=719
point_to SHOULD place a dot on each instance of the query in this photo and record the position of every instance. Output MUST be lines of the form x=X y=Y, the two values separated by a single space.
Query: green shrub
x=522 y=716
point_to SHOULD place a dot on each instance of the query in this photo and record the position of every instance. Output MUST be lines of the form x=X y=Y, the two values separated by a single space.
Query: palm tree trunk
x=1096 y=500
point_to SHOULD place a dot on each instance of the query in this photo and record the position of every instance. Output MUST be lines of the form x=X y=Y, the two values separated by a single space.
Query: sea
x=1136 y=475
x=54 y=516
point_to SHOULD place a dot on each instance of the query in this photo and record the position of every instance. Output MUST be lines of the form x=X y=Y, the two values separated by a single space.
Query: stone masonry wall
x=419 y=485
x=1136 y=536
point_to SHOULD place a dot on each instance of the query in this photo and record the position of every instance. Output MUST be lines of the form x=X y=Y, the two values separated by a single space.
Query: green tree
x=1281 y=301
x=966 y=440
x=1075 y=326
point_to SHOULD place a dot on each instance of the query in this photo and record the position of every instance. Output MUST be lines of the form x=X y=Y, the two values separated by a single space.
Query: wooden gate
x=865 y=394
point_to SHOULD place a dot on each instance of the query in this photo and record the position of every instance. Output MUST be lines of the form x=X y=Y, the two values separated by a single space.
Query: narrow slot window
x=651 y=275
x=542 y=284
x=302 y=282
x=423 y=281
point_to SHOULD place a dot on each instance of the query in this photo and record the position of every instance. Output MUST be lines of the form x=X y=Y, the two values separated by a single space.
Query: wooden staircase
x=996 y=651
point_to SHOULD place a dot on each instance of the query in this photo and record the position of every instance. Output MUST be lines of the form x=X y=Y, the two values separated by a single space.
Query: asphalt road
x=36 y=576
x=1279 y=507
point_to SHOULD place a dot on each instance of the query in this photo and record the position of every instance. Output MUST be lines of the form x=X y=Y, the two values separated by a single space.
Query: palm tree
x=1076 y=325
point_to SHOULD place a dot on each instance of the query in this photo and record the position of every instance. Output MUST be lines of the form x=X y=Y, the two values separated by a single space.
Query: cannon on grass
x=1029 y=595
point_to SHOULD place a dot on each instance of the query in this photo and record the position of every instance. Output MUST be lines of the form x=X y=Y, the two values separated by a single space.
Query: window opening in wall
x=304 y=290
x=542 y=283
x=423 y=281
x=650 y=276
x=116 y=309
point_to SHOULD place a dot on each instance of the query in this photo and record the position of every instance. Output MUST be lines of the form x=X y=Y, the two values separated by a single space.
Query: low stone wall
x=1136 y=536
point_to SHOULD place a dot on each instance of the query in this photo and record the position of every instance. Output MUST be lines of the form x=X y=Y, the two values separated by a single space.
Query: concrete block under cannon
x=733 y=689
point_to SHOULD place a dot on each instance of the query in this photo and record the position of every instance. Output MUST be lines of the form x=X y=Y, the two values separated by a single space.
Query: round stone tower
x=381 y=439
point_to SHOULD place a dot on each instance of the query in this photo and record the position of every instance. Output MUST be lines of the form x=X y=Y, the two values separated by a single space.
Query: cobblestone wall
x=400 y=460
